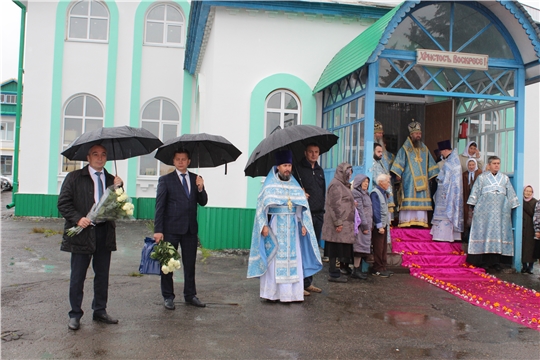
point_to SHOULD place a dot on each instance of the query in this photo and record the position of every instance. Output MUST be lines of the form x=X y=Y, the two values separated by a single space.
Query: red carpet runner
x=443 y=264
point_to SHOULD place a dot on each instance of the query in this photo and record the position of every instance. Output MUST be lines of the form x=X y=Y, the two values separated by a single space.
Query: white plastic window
x=8 y=99
x=82 y=113
x=7 y=130
x=161 y=118
x=164 y=25
x=282 y=110
x=88 y=20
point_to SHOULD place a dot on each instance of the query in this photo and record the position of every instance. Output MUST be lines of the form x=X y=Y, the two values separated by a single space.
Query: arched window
x=161 y=118
x=88 y=20
x=164 y=25
x=282 y=109
x=82 y=113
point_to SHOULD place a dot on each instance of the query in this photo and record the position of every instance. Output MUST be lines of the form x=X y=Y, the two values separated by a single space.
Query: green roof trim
x=355 y=54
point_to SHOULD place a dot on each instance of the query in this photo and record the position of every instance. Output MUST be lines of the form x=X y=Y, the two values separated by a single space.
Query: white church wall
x=532 y=137
x=243 y=49
x=39 y=56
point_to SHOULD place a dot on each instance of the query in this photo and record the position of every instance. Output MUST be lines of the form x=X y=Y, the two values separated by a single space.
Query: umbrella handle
x=114 y=157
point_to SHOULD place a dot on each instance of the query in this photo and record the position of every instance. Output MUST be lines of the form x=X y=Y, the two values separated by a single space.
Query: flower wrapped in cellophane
x=167 y=256
x=115 y=204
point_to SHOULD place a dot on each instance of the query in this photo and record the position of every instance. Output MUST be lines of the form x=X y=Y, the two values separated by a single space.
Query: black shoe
x=382 y=274
x=346 y=270
x=169 y=304
x=74 y=323
x=357 y=274
x=390 y=273
x=529 y=271
x=524 y=271
x=195 y=302
x=341 y=279
x=105 y=318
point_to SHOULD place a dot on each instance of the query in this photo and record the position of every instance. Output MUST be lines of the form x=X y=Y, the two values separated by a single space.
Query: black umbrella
x=206 y=150
x=294 y=138
x=121 y=142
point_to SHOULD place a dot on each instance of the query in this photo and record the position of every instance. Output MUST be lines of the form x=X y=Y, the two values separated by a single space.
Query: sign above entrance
x=452 y=59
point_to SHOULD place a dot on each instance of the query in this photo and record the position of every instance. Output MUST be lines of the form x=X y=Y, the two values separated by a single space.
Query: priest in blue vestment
x=414 y=167
x=284 y=247
x=447 y=222
x=491 y=243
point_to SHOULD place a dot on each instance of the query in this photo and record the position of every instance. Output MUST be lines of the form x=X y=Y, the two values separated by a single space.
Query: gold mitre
x=378 y=127
x=414 y=127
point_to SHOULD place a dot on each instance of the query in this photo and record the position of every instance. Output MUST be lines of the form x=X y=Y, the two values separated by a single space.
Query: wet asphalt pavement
x=396 y=318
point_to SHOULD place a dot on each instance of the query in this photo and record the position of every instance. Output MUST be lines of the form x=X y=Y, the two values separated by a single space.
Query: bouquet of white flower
x=115 y=204
x=167 y=256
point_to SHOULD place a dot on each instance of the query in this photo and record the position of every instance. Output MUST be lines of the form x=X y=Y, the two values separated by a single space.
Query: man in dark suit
x=80 y=190
x=178 y=194
x=310 y=176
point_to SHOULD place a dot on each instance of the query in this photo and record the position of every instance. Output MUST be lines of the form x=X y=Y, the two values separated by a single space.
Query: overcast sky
x=10 y=17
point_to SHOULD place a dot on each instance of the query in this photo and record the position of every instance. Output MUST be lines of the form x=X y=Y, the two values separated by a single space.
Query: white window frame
x=89 y=18
x=8 y=99
x=166 y=23
x=161 y=123
x=4 y=133
x=282 y=110
x=83 y=117
x=4 y=165
x=478 y=117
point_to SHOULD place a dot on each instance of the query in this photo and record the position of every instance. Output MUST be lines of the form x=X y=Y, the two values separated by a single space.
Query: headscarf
x=343 y=173
x=529 y=198
x=471 y=173
x=357 y=184
x=466 y=151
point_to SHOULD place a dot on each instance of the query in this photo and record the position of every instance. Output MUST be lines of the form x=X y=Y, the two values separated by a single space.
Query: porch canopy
x=367 y=47
x=477 y=54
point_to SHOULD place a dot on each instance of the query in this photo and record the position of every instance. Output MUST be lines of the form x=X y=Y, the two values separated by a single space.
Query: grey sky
x=10 y=16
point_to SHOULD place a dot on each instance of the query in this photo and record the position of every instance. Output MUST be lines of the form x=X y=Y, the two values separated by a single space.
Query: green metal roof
x=355 y=54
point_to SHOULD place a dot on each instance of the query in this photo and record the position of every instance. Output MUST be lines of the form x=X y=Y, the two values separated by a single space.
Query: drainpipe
x=19 y=106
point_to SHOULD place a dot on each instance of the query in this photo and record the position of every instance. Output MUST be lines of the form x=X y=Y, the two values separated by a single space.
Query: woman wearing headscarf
x=528 y=253
x=362 y=243
x=469 y=177
x=470 y=152
x=339 y=221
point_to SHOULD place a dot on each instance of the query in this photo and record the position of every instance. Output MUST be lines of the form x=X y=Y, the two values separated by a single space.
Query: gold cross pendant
x=289 y=203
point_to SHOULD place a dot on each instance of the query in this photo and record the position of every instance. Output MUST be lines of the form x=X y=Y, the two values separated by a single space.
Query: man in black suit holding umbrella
x=80 y=190
x=178 y=194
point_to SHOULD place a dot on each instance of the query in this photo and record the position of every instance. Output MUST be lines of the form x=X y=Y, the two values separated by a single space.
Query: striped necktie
x=100 y=185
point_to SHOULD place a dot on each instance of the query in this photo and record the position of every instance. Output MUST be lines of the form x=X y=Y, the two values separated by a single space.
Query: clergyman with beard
x=284 y=247
x=414 y=167
x=378 y=135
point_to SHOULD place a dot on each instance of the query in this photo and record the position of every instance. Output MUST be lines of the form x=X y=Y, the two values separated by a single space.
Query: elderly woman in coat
x=338 y=226
x=362 y=243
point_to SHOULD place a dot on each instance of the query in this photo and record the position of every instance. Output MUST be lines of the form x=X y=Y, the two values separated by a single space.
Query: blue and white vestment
x=284 y=257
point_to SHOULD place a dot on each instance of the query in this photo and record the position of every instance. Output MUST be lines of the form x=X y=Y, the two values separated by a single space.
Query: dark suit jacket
x=175 y=213
x=74 y=202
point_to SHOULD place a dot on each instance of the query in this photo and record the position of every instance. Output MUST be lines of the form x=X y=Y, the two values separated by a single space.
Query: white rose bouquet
x=115 y=204
x=167 y=256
